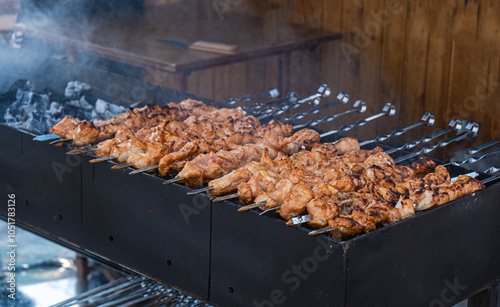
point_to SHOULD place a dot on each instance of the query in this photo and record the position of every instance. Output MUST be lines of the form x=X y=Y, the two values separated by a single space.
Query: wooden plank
x=438 y=60
x=392 y=57
x=415 y=59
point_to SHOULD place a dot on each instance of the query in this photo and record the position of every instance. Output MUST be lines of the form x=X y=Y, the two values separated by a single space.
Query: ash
x=36 y=113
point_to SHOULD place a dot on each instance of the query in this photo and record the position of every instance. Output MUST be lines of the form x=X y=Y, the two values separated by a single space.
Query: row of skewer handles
x=133 y=290
x=342 y=188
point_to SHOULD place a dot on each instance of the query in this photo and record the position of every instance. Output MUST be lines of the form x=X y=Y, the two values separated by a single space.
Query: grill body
x=232 y=258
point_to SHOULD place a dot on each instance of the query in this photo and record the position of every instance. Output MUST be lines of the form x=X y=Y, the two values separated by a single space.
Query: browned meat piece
x=261 y=181
x=322 y=209
x=341 y=146
x=344 y=226
x=443 y=193
x=85 y=133
x=154 y=152
x=104 y=148
x=65 y=126
x=230 y=182
x=295 y=202
x=122 y=150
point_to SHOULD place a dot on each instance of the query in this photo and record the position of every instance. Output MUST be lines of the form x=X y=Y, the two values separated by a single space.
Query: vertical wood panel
x=432 y=56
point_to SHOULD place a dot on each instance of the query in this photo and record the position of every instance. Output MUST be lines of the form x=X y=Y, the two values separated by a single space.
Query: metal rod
x=248 y=207
x=342 y=98
x=177 y=179
x=491 y=179
x=388 y=110
x=472 y=128
x=323 y=91
x=46 y=137
x=144 y=169
x=274 y=93
x=201 y=190
x=60 y=141
x=491 y=170
x=292 y=97
x=474 y=160
x=102 y=159
x=359 y=106
x=270 y=210
x=120 y=166
x=427 y=118
x=82 y=150
x=455 y=123
x=230 y=196
x=479 y=148
x=319 y=231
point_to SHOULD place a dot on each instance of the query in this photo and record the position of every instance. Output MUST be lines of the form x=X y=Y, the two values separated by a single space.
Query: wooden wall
x=423 y=56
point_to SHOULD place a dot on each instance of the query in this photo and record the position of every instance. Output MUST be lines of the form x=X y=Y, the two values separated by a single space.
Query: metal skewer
x=290 y=97
x=323 y=91
x=455 y=123
x=474 y=160
x=342 y=98
x=120 y=166
x=46 y=137
x=248 y=207
x=60 y=141
x=270 y=210
x=173 y=180
x=359 y=106
x=427 y=118
x=102 y=159
x=388 y=110
x=491 y=170
x=201 y=190
x=491 y=179
x=144 y=169
x=274 y=93
x=230 y=196
x=479 y=148
x=82 y=150
x=471 y=128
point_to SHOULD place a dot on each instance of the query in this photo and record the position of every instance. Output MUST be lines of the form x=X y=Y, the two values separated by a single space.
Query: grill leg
x=82 y=271
x=486 y=298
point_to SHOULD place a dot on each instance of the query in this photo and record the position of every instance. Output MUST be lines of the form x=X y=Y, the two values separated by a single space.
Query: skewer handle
x=471 y=128
x=474 y=160
x=46 y=137
x=492 y=170
x=427 y=118
x=479 y=148
x=274 y=93
x=388 y=110
x=342 y=98
x=455 y=123
x=291 y=97
x=323 y=91
x=359 y=106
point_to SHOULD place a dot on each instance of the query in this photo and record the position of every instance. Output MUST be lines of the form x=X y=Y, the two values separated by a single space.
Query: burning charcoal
x=75 y=89
x=55 y=110
x=34 y=112
x=105 y=110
